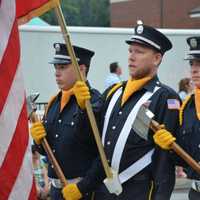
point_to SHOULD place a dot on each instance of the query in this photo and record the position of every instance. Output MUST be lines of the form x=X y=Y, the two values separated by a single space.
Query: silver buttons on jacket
x=108 y=143
x=113 y=127
x=59 y=121
x=72 y=123
x=56 y=135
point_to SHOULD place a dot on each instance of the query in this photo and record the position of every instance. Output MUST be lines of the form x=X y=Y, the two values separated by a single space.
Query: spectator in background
x=185 y=88
x=40 y=174
x=114 y=75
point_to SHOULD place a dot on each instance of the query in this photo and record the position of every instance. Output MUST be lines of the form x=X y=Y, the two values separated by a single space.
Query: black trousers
x=133 y=190
x=56 y=194
x=193 y=195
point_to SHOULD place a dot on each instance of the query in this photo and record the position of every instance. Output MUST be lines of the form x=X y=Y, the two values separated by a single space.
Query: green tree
x=82 y=13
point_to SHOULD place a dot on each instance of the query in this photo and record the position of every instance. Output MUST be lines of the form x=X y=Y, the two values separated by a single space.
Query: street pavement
x=181 y=189
x=180 y=195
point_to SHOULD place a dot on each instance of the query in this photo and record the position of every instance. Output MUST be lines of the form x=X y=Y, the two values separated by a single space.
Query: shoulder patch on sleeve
x=173 y=104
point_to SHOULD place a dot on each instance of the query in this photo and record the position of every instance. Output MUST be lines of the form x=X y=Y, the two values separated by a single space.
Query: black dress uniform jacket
x=70 y=136
x=189 y=137
x=161 y=170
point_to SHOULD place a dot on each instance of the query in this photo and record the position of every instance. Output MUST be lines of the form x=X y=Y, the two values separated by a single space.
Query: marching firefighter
x=190 y=117
x=66 y=125
x=145 y=170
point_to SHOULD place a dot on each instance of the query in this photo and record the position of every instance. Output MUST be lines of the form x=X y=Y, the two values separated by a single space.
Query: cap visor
x=135 y=41
x=192 y=57
x=60 y=61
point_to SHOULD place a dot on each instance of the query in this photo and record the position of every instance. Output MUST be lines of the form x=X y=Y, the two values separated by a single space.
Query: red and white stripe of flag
x=16 y=175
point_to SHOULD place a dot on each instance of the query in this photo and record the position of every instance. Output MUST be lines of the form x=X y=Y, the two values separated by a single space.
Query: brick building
x=158 y=13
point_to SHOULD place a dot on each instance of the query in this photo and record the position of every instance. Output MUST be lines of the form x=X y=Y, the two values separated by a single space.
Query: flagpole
x=89 y=110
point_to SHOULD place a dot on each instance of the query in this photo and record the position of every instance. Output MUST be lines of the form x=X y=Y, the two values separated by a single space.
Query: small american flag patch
x=173 y=104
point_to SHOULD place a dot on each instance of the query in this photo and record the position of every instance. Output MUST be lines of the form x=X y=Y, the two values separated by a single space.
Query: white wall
x=109 y=45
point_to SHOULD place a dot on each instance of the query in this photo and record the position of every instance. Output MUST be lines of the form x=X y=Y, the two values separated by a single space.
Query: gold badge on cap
x=193 y=43
x=57 y=47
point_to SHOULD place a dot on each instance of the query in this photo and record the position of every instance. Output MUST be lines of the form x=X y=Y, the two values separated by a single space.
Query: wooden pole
x=90 y=113
x=50 y=154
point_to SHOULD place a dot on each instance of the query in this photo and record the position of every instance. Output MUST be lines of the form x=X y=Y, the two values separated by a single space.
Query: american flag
x=16 y=176
x=173 y=104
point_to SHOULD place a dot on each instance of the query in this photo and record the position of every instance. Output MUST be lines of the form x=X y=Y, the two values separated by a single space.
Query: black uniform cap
x=61 y=56
x=194 y=52
x=150 y=37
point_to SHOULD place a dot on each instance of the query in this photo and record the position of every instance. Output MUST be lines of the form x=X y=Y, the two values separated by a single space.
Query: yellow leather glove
x=71 y=192
x=37 y=132
x=82 y=93
x=163 y=138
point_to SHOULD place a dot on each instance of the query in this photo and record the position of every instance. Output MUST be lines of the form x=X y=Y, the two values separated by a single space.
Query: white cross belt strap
x=108 y=112
x=119 y=147
x=136 y=167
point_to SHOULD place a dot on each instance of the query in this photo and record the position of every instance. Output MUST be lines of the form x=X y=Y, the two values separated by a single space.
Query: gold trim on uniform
x=182 y=109
x=151 y=191
x=113 y=89
x=49 y=104
x=197 y=102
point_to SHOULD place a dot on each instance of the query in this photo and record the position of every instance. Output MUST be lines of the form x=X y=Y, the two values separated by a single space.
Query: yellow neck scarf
x=197 y=101
x=133 y=86
x=65 y=98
